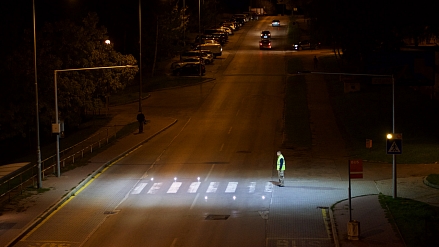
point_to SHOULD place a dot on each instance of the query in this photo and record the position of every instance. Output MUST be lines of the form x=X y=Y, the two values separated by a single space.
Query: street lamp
x=394 y=177
x=140 y=56
x=39 y=185
x=56 y=128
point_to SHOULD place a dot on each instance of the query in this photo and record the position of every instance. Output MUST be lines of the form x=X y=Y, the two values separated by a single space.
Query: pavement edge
x=73 y=192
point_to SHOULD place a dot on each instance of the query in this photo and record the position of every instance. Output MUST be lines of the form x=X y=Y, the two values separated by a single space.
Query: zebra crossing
x=195 y=187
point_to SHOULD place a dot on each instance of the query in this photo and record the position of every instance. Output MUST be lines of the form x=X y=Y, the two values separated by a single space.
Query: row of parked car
x=207 y=47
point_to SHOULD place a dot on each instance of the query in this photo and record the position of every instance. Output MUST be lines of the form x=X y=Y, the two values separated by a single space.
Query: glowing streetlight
x=107 y=42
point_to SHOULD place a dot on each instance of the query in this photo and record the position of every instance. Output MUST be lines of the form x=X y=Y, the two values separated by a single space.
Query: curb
x=73 y=192
x=430 y=184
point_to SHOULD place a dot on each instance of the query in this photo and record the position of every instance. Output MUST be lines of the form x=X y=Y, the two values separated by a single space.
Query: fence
x=27 y=176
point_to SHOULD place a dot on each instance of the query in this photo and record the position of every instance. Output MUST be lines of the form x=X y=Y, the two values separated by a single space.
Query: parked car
x=275 y=23
x=209 y=58
x=306 y=45
x=190 y=68
x=178 y=64
x=196 y=54
x=265 y=44
x=227 y=29
x=265 y=35
x=215 y=48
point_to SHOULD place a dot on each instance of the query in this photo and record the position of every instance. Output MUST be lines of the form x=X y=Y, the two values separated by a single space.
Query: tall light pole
x=56 y=129
x=39 y=185
x=394 y=175
x=140 y=56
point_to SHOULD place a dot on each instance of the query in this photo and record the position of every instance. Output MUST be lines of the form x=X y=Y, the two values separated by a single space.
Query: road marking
x=155 y=187
x=208 y=174
x=195 y=200
x=139 y=188
x=252 y=187
x=193 y=187
x=268 y=187
x=231 y=187
x=213 y=186
x=174 y=187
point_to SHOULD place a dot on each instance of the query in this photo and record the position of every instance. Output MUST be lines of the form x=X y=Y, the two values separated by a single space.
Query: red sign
x=355 y=169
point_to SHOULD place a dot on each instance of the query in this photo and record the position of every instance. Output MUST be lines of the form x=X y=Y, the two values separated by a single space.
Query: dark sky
x=119 y=16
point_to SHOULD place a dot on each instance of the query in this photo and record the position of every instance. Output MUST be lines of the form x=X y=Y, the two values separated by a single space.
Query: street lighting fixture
x=37 y=112
x=56 y=128
x=394 y=177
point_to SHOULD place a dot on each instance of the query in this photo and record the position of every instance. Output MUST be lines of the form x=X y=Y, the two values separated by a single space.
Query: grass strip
x=417 y=222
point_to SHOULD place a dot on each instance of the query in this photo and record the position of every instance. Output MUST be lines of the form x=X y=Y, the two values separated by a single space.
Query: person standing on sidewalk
x=141 y=120
x=316 y=62
x=280 y=168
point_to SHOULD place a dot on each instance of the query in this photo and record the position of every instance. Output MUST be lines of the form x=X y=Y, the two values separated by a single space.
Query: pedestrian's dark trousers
x=140 y=127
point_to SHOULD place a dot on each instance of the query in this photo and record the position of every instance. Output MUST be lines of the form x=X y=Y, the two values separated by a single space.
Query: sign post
x=355 y=171
x=393 y=147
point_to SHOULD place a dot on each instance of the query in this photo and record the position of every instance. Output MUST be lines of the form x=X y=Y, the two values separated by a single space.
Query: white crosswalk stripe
x=213 y=186
x=231 y=187
x=138 y=188
x=194 y=186
x=268 y=187
x=252 y=187
x=155 y=187
x=174 y=187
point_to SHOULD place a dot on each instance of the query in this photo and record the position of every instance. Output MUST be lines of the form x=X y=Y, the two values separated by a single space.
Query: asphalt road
x=210 y=179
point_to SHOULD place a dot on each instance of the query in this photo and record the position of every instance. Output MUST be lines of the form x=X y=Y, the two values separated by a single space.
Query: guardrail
x=28 y=175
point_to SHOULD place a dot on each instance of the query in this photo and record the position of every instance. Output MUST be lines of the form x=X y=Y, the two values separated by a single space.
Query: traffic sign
x=394 y=144
x=355 y=169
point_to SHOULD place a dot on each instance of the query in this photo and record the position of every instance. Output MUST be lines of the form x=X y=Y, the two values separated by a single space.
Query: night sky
x=119 y=16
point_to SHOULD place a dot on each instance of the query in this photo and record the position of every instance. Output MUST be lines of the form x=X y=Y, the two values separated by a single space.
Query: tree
x=60 y=45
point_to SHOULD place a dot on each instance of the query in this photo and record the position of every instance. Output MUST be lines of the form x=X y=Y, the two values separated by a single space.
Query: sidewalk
x=33 y=209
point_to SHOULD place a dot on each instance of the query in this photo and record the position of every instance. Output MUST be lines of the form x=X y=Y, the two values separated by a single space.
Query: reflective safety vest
x=279 y=158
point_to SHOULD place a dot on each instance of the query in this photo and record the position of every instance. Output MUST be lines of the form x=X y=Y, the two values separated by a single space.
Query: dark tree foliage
x=358 y=28
x=60 y=45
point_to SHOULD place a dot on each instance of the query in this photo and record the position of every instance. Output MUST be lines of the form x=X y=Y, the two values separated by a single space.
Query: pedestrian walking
x=280 y=168
x=316 y=62
x=141 y=120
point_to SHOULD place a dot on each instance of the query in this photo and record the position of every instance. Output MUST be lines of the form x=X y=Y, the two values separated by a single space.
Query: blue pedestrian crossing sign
x=394 y=143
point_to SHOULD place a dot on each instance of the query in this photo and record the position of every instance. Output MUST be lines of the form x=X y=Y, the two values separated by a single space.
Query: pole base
x=353 y=230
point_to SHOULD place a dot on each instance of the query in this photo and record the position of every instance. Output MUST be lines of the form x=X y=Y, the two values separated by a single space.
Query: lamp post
x=39 y=183
x=56 y=127
x=140 y=56
x=394 y=171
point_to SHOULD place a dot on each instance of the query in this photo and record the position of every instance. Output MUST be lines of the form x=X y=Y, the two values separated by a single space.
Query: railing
x=28 y=175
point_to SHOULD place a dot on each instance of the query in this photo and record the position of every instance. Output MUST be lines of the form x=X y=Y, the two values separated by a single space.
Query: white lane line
x=193 y=187
x=230 y=130
x=268 y=187
x=138 y=188
x=252 y=187
x=195 y=200
x=208 y=174
x=222 y=146
x=213 y=186
x=155 y=187
x=174 y=187
x=231 y=187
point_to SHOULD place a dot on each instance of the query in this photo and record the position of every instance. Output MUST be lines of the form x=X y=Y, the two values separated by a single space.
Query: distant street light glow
x=107 y=42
